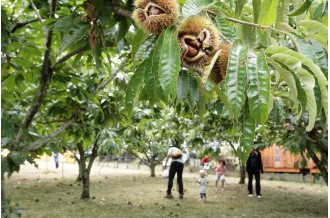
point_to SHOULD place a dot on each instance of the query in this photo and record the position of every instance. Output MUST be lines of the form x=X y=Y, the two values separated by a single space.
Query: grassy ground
x=46 y=192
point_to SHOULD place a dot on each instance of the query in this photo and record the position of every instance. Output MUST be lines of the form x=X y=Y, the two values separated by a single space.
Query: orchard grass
x=46 y=192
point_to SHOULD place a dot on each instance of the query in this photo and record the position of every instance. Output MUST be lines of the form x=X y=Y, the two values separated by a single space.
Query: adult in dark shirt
x=254 y=167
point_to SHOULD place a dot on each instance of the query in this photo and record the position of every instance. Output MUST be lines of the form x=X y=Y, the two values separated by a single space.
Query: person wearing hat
x=254 y=168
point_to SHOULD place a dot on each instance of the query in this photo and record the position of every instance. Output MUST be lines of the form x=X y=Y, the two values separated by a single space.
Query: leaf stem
x=247 y=23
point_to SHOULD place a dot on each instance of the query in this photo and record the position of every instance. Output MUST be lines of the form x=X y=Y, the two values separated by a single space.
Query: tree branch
x=318 y=163
x=302 y=132
x=46 y=74
x=38 y=144
x=94 y=152
x=232 y=146
x=122 y=12
x=36 y=10
x=247 y=23
x=103 y=84
x=22 y=24
x=69 y=55
x=137 y=156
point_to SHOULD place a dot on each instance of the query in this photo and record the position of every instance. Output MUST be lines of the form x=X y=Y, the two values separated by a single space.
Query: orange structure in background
x=279 y=160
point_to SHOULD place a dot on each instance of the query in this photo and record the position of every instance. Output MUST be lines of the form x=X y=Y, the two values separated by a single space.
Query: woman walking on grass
x=176 y=167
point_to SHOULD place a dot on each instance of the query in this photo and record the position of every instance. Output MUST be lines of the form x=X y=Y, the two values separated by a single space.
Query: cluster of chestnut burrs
x=198 y=38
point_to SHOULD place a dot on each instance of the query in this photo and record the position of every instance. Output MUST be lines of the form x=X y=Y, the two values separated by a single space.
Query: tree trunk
x=320 y=164
x=85 y=179
x=79 y=177
x=85 y=172
x=152 y=170
x=242 y=173
x=87 y=169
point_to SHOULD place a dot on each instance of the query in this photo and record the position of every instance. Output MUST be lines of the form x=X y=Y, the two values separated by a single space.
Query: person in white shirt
x=176 y=167
x=202 y=185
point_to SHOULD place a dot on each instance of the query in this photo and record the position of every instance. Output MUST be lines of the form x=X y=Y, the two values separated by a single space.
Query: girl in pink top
x=220 y=174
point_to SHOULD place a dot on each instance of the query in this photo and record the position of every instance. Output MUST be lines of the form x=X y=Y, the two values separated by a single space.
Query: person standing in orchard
x=254 y=168
x=176 y=167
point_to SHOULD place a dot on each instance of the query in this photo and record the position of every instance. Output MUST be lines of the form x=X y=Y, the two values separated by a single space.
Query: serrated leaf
x=151 y=77
x=224 y=100
x=238 y=7
x=316 y=10
x=295 y=5
x=134 y=88
x=318 y=98
x=98 y=55
x=317 y=73
x=226 y=30
x=64 y=23
x=169 y=64
x=316 y=26
x=193 y=7
x=306 y=79
x=236 y=78
x=285 y=27
x=259 y=87
x=201 y=105
x=74 y=35
x=263 y=38
x=144 y=50
x=256 y=9
x=122 y=30
x=283 y=11
x=249 y=33
x=9 y=83
x=193 y=94
x=290 y=81
x=138 y=39
x=321 y=56
x=248 y=133
x=268 y=12
x=305 y=48
x=183 y=86
x=304 y=7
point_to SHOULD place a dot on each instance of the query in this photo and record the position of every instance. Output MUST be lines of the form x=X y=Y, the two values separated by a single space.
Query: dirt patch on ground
x=120 y=192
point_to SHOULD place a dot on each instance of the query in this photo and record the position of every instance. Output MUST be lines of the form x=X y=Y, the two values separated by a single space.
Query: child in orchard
x=202 y=185
x=220 y=174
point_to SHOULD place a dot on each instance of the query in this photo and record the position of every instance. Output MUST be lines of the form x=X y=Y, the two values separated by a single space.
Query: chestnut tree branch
x=36 y=10
x=247 y=23
x=46 y=74
x=38 y=144
x=122 y=12
x=22 y=24
x=107 y=81
x=42 y=142
x=68 y=56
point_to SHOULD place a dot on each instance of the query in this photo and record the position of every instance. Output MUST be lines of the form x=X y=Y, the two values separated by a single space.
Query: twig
x=248 y=23
x=103 y=84
x=36 y=10
x=38 y=144
x=123 y=12
x=68 y=56
x=22 y=24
